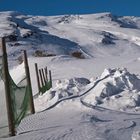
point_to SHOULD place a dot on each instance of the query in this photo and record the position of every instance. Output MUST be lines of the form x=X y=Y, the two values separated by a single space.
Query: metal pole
x=29 y=82
x=7 y=90
x=37 y=76
x=50 y=77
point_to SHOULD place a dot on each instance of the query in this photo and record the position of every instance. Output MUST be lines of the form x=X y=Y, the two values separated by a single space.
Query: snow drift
x=115 y=89
x=64 y=89
x=119 y=90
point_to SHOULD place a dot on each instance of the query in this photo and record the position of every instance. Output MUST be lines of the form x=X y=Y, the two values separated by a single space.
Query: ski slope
x=77 y=49
x=72 y=116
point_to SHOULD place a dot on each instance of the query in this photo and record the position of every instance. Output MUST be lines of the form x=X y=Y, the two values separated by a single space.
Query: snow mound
x=117 y=89
x=64 y=89
x=70 y=87
x=136 y=135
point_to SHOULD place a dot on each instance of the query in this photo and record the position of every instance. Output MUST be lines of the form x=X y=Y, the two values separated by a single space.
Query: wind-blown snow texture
x=119 y=90
x=105 y=107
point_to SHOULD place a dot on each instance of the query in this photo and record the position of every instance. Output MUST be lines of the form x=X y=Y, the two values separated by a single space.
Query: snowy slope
x=95 y=35
x=78 y=119
x=100 y=41
x=119 y=90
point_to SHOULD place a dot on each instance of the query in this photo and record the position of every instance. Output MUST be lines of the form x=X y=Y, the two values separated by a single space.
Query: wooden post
x=41 y=78
x=37 y=76
x=29 y=82
x=50 y=77
x=46 y=74
x=7 y=90
x=44 y=79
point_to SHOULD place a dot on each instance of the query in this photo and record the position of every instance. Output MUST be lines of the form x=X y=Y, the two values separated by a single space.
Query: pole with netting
x=46 y=74
x=7 y=89
x=50 y=77
x=37 y=77
x=29 y=82
x=43 y=76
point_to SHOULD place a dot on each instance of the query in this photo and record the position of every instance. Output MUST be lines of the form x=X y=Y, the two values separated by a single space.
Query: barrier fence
x=44 y=79
x=19 y=99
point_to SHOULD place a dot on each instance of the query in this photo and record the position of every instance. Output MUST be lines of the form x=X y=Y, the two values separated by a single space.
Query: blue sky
x=59 y=7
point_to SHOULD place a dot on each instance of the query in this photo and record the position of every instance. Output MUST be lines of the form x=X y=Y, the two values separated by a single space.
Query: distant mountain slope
x=82 y=36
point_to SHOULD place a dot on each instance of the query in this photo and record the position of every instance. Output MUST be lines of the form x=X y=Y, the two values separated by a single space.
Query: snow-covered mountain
x=76 y=48
x=82 y=36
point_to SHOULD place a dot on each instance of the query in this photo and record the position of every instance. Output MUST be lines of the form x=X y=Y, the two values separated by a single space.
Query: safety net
x=19 y=94
x=45 y=87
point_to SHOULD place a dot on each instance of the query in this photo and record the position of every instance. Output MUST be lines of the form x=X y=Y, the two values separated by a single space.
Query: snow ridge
x=120 y=91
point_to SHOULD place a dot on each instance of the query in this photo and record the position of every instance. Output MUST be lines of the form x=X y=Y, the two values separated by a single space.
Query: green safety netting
x=45 y=87
x=19 y=98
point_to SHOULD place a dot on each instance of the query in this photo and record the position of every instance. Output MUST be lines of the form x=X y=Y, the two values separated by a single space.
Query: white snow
x=136 y=135
x=63 y=90
x=101 y=47
x=117 y=90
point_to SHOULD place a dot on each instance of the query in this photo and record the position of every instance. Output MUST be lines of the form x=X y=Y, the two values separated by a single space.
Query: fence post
x=46 y=74
x=29 y=82
x=41 y=78
x=37 y=76
x=7 y=90
x=50 y=77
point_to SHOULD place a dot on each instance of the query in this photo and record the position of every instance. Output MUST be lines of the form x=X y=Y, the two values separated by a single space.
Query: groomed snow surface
x=102 y=108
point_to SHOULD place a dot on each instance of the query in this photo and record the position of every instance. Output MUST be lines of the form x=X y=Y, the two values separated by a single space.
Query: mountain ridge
x=81 y=36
